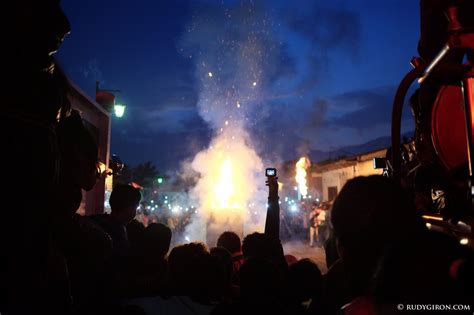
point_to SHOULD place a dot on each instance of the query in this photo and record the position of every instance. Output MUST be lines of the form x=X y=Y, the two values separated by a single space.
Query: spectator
x=303 y=285
x=322 y=224
x=261 y=284
x=313 y=225
x=231 y=241
x=290 y=259
x=157 y=241
x=32 y=95
x=192 y=273
x=146 y=267
x=422 y=272
x=225 y=273
x=124 y=201
x=369 y=215
x=330 y=248
x=136 y=234
x=79 y=156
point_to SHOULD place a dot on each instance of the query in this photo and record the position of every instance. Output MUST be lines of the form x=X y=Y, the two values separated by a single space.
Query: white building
x=332 y=175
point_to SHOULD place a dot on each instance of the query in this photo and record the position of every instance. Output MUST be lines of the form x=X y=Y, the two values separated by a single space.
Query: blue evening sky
x=327 y=70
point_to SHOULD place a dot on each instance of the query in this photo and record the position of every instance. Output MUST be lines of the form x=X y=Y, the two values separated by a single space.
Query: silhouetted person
x=188 y=264
x=145 y=267
x=369 y=215
x=124 y=201
x=78 y=165
x=272 y=220
x=231 y=241
x=32 y=96
x=136 y=234
x=261 y=283
x=330 y=249
x=157 y=240
x=192 y=283
x=259 y=279
x=224 y=273
x=85 y=245
x=426 y=270
x=260 y=246
x=313 y=225
x=303 y=284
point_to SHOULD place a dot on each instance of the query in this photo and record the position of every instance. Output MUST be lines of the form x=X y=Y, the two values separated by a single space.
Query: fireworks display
x=231 y=71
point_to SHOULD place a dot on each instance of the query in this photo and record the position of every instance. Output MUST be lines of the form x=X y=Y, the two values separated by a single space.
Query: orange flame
x=228 y=190
x=301 y=166
x=224 y=188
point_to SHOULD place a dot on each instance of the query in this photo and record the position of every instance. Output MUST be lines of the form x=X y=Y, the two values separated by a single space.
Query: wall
x=97 y=120
x=336 y=178
x=337 y=173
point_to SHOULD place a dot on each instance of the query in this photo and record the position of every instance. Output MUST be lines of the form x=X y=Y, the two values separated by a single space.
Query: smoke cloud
x=244 y=72
x=233 y=63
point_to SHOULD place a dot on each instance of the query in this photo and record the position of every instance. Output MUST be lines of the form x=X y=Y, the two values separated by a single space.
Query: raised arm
x=272 y=223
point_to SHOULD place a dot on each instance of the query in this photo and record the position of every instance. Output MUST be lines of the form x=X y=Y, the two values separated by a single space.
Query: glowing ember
x=301 y=166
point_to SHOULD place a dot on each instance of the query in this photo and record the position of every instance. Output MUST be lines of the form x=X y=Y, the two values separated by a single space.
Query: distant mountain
x=373 y=145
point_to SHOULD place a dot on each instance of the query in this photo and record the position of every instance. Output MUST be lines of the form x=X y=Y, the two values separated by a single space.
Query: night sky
x=326 y=73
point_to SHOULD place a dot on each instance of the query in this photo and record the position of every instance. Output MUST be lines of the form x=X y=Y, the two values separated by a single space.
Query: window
x=332 y=192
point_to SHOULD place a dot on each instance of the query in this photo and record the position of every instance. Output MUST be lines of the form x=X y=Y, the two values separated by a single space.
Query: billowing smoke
x=245 y=68
x=232 y=63
x=229 y=191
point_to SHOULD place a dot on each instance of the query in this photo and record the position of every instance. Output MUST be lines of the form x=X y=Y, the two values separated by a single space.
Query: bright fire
x=229 y=188
x=301 y=166
x=223 y=190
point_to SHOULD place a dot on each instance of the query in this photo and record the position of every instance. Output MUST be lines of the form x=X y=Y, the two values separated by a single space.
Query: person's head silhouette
x=37 y=31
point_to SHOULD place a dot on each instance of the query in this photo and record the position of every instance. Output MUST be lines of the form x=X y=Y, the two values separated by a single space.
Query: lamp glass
x=119 y=110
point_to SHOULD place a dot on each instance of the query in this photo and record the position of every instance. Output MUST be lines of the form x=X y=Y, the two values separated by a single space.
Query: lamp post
x=106 y=98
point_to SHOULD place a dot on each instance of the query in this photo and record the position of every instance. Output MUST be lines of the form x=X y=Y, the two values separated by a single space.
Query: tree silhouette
x=145 y=174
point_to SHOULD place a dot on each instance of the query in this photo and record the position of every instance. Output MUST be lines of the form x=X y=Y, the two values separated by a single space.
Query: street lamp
x=106 y=98
x=119 y=110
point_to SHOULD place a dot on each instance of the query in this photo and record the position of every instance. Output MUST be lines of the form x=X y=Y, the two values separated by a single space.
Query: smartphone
x=271 y=172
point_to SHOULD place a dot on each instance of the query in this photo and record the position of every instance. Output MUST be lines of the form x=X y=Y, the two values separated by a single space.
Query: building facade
x=329 y=177
x=98 y=122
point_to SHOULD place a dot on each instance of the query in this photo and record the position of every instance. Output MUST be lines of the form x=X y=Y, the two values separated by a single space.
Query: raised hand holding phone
x=272 y=222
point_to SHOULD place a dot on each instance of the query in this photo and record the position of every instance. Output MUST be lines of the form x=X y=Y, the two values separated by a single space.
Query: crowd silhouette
x=379 y=255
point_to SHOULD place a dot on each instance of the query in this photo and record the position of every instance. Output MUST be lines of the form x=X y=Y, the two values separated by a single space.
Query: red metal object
x=468 y=93
x=397 y=109
x=448 y=128
x=106 y=99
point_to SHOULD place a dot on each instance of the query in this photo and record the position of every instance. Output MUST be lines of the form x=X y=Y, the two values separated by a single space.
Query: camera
x=379 y=162
x=270 y=172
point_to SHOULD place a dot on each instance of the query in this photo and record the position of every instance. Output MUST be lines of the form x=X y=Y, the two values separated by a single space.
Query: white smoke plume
x=232 y=64
x=245 y=66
